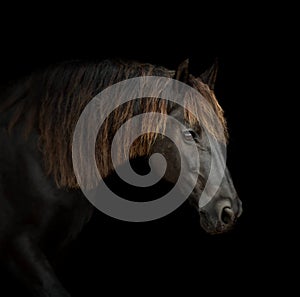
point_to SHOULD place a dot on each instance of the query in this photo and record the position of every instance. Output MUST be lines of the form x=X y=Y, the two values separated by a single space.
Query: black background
x=172 y=253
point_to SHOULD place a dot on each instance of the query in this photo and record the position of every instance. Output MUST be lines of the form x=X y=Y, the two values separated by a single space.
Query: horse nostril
x=227 y=215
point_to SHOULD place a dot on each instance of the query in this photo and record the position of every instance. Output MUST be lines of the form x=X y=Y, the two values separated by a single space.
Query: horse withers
x=42 y=205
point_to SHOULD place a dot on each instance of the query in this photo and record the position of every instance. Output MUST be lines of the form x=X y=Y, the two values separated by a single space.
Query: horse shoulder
x=36 y=205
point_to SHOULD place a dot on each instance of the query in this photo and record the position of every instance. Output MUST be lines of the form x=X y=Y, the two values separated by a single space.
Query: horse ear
x=182 y=72
x=210 y=75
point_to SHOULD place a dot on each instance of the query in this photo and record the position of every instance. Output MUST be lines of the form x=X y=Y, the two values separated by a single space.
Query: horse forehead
x=177 y=113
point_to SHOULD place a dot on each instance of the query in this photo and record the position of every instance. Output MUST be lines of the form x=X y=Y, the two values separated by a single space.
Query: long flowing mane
x=51 y=101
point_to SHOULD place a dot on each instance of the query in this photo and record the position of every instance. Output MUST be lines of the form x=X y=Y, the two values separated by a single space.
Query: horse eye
x=189 y=135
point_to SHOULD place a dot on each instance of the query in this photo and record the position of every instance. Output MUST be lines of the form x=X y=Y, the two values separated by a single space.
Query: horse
x=42 y=205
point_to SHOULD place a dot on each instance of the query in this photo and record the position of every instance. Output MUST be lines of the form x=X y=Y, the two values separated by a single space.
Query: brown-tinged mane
x=51 y=101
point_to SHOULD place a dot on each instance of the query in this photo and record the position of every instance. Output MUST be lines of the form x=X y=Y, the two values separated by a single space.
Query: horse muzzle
x=221 y=215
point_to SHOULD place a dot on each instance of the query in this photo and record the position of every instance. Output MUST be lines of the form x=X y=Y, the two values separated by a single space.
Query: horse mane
x=52 y=100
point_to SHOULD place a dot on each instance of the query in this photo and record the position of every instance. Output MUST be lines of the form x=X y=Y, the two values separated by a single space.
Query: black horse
x=42 y=207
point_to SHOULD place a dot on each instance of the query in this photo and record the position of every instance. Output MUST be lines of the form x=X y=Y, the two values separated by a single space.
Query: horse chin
x=213 y=228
